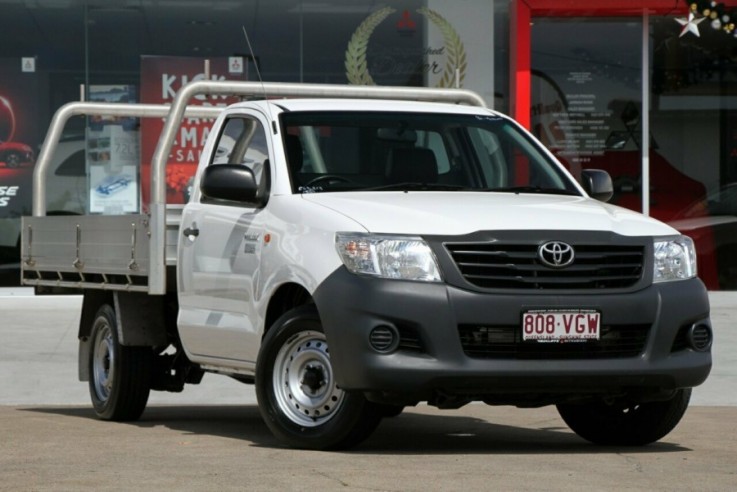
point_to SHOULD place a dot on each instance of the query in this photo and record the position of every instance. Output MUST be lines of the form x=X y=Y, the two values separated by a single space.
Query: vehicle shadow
x=408 y=434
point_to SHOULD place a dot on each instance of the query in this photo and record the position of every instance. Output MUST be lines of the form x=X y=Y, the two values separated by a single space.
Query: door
x=219 y=256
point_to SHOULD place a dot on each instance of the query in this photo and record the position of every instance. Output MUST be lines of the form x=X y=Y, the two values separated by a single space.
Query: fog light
x=700 y=337
x=384 y=339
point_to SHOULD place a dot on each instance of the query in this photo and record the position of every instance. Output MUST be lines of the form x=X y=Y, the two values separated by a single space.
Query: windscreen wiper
x=532 y=189
x=415 y=186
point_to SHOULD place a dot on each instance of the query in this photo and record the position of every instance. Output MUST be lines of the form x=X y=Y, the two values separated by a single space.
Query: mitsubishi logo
x=555 y=254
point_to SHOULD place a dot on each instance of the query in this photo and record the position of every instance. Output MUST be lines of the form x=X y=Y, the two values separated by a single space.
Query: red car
x=15 y=154
x=712 y=224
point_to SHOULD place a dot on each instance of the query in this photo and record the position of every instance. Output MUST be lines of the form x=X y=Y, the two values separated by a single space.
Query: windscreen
x=390 y=151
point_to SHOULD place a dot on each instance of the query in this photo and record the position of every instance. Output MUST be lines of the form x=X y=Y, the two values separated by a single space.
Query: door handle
x=191 y=232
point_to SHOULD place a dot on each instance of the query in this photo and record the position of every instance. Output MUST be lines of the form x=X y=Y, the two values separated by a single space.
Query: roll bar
x=64 y=113
x=179 y=109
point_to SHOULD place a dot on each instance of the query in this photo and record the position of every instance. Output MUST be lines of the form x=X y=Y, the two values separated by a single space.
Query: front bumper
x=431 y=362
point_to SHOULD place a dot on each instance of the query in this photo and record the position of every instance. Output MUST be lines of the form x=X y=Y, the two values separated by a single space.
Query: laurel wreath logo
x=356 y=65
x=456 y=51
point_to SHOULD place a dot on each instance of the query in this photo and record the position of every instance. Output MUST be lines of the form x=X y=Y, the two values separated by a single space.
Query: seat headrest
x=413 y=165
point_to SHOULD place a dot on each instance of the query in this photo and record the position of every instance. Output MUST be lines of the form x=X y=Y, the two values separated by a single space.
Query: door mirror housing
x=230 y=182
x=597 y=184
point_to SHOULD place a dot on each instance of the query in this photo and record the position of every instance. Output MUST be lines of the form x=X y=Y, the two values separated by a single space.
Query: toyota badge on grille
x=555 y=254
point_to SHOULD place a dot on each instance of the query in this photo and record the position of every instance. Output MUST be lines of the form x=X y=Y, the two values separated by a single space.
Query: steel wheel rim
x=103 y=361
x=304 y=384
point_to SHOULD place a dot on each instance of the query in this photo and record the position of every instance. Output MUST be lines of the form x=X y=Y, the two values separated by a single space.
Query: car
x=353 y=257
x=113 y=184
x=712 y=224
x=15 y=154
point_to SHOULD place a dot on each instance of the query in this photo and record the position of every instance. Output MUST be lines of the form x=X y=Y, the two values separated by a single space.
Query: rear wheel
x=298 y=395
x=120 y=377
x=625 y=423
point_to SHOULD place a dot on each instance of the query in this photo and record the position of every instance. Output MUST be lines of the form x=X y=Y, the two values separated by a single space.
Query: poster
x=161 y=78
x=20 y=137
x=112 y=155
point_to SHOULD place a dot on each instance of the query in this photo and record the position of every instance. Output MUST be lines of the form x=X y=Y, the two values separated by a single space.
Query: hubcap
x=103 y=361
x=304 y=384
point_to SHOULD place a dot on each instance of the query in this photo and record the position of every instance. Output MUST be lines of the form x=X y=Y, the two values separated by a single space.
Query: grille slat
x=533 y=268
x=500 y=265
x=505 y=342
x=544 y=281
x=410 y=340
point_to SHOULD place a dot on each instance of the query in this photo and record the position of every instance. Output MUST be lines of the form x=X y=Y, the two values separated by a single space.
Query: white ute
x=355 y=250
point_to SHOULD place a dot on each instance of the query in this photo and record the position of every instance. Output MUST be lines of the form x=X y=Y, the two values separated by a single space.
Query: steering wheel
x=328 y=178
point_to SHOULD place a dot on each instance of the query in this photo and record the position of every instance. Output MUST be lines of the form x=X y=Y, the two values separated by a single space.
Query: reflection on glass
x=586 y=106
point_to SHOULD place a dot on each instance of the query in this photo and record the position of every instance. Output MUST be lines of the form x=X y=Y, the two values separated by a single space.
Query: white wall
x=473 y=21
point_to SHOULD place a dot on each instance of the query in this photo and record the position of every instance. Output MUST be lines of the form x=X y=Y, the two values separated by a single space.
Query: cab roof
x=320 y=104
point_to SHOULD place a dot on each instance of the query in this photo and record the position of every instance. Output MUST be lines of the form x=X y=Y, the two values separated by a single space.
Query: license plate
x=570 y=325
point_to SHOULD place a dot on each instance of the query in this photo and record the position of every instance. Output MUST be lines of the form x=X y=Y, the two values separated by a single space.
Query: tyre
x=624 y=423
x=120 y=377
x=12 y=160
x=387 y=410
x=297 y=392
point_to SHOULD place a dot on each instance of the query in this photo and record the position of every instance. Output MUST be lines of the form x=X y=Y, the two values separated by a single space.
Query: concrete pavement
x=211 y=437
x=475 y=448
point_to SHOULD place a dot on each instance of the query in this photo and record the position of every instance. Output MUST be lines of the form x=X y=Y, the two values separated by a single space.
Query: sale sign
x=161 y=78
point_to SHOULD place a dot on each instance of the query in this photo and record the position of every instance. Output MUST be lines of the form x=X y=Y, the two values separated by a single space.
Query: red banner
x=161 y=78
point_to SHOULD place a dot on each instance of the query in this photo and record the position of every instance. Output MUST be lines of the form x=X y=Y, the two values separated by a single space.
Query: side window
x=74 y=165
x=242 y=141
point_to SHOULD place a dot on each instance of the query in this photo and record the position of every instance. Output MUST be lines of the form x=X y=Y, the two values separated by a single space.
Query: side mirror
x=597 y=183
x=230 y=182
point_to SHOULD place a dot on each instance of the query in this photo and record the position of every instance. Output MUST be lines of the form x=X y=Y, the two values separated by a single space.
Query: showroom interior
x=644 y=89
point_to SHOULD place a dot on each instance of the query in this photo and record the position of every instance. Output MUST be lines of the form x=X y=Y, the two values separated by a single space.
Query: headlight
x=407 y=258
x=675 y=259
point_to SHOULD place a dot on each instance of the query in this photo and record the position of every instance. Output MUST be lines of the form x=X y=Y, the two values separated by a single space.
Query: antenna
x=253 y=57
x=258 y=74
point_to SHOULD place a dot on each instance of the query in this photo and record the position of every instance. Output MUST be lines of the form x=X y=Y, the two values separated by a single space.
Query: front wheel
x=298 y=396
x=12 y=160
x=120 y=377
x=624 y=423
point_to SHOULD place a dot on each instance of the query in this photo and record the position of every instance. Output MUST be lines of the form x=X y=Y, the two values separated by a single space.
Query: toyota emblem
x=555 y=254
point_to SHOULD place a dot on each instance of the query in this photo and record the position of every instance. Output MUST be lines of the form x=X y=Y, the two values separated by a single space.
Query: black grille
x=505 y=342
x=516 y=266
x=382 y=338
x=700 y=337
x=409 y=339
x=697 y=337
x=681 y=340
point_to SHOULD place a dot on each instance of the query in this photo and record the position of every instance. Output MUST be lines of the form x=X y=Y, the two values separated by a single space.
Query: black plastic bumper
x=434 y=362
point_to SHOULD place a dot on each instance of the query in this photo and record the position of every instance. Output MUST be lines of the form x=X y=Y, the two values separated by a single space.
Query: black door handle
x=191 y=232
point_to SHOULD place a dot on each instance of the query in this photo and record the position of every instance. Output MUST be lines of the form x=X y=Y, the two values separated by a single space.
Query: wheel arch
x=286 y=297
x=140 y=321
